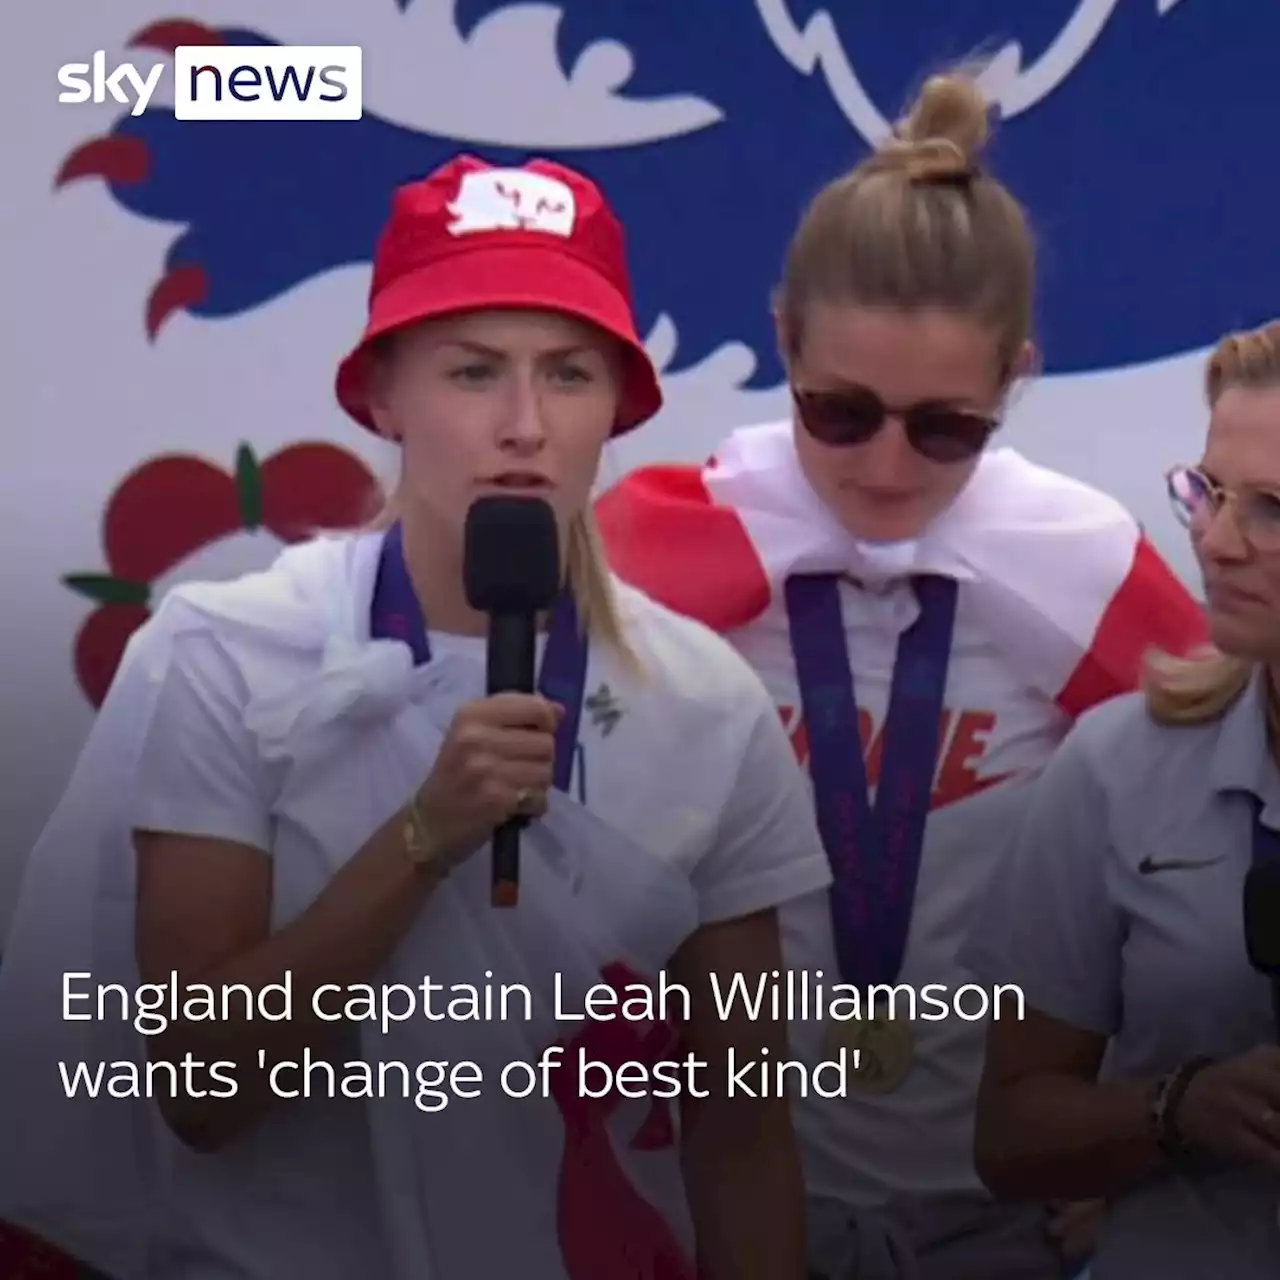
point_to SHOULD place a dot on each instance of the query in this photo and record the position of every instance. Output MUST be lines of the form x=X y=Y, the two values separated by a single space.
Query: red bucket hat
x=473 y=235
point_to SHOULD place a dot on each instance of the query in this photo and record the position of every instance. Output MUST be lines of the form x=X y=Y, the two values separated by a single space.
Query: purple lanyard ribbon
x=874 y=851
x=396 y=615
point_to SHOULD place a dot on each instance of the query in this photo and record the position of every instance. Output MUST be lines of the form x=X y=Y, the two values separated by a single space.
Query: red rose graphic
x=173 y=506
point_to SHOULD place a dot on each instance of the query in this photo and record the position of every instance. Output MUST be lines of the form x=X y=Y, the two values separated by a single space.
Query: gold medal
x=880 y=1051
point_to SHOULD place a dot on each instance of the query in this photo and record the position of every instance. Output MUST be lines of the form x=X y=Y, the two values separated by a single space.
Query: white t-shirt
x=687 y=757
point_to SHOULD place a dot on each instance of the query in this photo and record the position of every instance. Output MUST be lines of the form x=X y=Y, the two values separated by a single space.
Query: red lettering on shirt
x=608 y=1230
x=963 y=740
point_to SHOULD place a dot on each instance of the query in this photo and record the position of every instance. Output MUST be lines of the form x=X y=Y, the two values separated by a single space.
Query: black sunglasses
x=939 y=432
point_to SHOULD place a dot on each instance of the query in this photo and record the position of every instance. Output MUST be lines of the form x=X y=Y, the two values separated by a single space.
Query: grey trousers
x=933 y=1238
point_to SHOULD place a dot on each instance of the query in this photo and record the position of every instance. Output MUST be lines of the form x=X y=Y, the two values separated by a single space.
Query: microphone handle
x=511 y=667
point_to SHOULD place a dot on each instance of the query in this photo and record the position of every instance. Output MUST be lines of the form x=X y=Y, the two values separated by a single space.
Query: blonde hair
x=918 y=224
x=586 y=571
x=1199 y=688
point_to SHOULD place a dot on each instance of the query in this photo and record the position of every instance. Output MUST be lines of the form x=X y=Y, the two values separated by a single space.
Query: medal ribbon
x=874 y=850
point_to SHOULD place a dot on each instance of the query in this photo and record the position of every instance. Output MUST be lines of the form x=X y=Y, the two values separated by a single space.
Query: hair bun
x=942 y=136
x=931 y=160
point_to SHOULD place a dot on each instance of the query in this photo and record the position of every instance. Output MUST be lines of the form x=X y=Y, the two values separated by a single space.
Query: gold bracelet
x=420 y=847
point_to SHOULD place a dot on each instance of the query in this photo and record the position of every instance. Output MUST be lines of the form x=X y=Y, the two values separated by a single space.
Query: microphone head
x=511 y=558
x=1262 y=917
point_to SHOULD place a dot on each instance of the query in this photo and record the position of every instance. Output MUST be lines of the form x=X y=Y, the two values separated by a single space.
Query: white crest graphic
x=513 y=200
x=1008 y=84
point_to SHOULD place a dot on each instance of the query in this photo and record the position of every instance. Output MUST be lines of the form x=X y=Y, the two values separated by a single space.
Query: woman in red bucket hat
x=331 y=1054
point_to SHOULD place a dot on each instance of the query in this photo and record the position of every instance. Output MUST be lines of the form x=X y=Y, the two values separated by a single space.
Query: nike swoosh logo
x=1150 y=866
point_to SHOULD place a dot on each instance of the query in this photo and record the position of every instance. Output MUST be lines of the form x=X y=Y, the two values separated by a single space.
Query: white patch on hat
x=513 y=200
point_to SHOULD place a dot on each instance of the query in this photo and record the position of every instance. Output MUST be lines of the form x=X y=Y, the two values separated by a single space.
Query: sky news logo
x=231 y=82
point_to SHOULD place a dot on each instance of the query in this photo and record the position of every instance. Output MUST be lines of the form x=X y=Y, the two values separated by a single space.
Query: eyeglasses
x=939 y=432
x=1197 y=500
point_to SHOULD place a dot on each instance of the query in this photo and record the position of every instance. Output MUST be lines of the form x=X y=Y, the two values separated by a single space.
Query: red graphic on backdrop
x=127 y=161
x=173 y=506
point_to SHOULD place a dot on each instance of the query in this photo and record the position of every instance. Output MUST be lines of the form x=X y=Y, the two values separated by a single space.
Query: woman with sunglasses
x=1140 y=909
x=930 y=616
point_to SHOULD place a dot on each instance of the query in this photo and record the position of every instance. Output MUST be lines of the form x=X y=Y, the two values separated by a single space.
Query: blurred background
x=186 y=289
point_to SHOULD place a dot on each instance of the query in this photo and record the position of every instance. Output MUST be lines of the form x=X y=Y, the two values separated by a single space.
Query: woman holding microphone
x=930 y=615
x=1140 y=908
x=288 y=785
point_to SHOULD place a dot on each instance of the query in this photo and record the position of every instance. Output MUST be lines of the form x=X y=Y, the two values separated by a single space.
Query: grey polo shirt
x=1119 y=911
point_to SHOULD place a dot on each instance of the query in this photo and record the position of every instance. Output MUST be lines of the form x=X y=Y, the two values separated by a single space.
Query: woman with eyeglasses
x=1143 y=898
x=930 y=615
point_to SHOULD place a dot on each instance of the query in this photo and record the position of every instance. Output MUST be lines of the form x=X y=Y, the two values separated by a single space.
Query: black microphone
x=1262 y=926
x=511 y=568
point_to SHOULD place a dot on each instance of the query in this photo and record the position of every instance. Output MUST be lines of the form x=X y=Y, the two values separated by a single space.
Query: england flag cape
x=1062 y=573
x=490 y=1186
x=1059 y=595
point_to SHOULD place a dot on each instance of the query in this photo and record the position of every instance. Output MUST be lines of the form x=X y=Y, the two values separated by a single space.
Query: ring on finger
x=527 y=801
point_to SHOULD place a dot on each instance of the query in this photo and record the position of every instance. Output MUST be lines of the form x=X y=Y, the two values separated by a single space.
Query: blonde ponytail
x=1195 y=689
x=593 y=586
